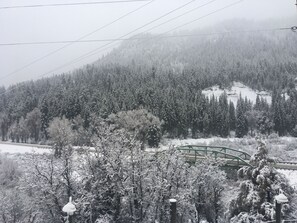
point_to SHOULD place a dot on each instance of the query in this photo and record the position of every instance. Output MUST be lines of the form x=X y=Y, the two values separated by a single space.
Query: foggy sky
x=72 y=22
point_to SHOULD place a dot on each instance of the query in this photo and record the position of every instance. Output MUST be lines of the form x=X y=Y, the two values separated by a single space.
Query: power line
x=103 y=40
x=144 y=38
x=67 y=45
x=183 y=14
x=94 y=52
x=41 y=58
x=84 y=56
x=70 y=4
x=195 y=20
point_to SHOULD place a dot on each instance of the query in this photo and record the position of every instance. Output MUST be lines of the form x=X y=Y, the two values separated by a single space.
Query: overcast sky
x=72 y=22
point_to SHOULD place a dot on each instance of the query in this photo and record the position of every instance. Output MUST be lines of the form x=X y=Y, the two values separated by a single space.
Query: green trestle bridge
x=232 y=158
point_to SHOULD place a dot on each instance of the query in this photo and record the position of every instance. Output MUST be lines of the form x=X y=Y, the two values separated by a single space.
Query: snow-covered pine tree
x=224 y=126
x=279 y=116
x=241 y=124
x=153 y=136
x=232 y=116
x=264 y=124
x=261 y=182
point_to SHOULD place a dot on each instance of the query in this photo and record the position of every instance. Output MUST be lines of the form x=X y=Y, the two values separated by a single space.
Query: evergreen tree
x=252 y=117
x=24 y=133
x=214 y=118
x=279 y=116
x=44 y=118
x=34 y=124
x=264 y=124
x=153 y=136
x=241 y=124
x=261 y=182
x=206 y=124
x=4 y=125
x=257 y=106
x=232 y=116
x=224 y=125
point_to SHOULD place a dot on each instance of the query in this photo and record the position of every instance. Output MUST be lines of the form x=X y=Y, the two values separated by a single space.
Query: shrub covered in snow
x=142 y=123
x=261 y=182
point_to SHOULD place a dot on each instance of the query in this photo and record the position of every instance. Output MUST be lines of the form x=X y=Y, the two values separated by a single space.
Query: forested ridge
x=166 y=77
x=100 y=119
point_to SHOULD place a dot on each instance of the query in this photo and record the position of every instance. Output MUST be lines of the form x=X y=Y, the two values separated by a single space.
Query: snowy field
x=235 y=91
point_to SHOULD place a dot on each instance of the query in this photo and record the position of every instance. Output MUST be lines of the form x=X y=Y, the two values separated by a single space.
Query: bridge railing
x=227 y=150
x=197 y=152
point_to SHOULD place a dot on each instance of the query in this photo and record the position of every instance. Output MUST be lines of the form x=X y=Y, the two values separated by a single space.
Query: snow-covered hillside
x=235 y=91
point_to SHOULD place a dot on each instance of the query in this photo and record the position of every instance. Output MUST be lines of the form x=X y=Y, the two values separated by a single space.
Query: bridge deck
x=230 y=157
x=194 y=153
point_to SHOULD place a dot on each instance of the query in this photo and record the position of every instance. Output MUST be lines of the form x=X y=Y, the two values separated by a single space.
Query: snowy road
x=13 y=148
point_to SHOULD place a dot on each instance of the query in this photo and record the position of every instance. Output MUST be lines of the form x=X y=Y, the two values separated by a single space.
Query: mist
x=73 y=22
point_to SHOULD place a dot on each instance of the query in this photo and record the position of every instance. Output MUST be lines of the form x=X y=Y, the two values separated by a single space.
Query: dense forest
x=130 y=98
x=166 y=76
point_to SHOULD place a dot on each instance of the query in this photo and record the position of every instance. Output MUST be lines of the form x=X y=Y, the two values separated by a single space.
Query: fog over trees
x=166 y=77
x=100 y=120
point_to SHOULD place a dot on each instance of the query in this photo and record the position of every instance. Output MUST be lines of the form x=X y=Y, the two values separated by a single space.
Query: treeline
x=27 y=110
x=166 y=78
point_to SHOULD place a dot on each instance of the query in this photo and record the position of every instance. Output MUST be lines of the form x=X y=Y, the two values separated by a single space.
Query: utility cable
x=183 y=14
x=70 y=4
x=146 y=38
x=94 y=52
x=67 y=45
x=195 y=20
x=88 y=55
x=84 y=55
x=102 y=40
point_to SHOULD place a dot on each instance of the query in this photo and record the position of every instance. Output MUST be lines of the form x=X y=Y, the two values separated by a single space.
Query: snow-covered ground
x=21 y=149
x=200 y=141
x=291 y=175
x=235 y=91
x=282 y=148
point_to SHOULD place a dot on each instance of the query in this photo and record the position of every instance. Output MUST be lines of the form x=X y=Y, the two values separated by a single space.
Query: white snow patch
x=235 y=91
x=291 y=175
x=13 y=149
x=288 y=138
x=200 y=141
